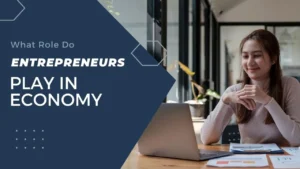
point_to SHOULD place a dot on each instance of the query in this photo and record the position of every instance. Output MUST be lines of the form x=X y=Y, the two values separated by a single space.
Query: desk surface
x=137 y=161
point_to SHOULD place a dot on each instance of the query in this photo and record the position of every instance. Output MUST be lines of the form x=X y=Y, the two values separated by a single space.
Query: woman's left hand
x=254 y=92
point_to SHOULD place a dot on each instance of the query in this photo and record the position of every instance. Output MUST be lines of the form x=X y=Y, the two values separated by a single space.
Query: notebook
x=272 y=148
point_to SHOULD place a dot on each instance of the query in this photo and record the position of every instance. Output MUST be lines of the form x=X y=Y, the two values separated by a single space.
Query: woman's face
x=255 y=60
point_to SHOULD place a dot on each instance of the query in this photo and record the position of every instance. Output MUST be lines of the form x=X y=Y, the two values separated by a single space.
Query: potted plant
x=199 y=100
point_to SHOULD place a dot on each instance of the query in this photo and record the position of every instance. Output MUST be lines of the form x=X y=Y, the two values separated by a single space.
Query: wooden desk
x=137 y=161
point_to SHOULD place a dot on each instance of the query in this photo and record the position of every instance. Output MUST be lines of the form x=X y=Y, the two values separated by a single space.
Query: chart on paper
x=285 y=161
x=292 y=150
x=240 y=161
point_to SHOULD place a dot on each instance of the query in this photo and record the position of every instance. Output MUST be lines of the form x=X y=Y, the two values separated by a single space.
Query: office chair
x=231 y=134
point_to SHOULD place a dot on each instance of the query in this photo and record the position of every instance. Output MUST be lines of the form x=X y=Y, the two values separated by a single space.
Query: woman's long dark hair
x=270 y=44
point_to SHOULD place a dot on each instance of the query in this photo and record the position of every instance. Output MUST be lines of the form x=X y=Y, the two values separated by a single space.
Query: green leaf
x=212 y=93
x=200 y=96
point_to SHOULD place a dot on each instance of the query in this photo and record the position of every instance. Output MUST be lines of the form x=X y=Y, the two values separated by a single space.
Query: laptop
x=171 y=134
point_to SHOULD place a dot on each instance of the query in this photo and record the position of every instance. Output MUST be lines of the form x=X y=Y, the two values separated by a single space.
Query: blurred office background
x=205 y=35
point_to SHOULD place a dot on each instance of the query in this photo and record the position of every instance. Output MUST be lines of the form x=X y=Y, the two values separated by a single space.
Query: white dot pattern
x=32 y=139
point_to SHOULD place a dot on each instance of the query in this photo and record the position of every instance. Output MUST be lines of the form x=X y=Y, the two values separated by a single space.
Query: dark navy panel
x=75 y=137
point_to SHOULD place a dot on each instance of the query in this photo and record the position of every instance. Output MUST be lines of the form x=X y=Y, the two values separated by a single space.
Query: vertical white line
x=61 y=83
x=153 y=35
x=153 y=28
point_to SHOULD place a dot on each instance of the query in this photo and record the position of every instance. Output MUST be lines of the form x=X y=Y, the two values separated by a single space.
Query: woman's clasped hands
x=248 y=96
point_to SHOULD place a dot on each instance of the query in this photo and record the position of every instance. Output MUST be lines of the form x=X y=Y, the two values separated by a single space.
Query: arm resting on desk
x=216 y=122
x=288 y=122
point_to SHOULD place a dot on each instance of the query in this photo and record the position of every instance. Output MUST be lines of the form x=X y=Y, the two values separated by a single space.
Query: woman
x=266 y=104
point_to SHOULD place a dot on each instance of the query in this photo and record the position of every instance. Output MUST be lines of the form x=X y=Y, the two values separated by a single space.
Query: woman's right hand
x=232 y=97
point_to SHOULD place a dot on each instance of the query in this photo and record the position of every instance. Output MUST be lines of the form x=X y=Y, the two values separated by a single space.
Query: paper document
x=285 y=161
x=240 y=161
x=292 y=150
x=254 y=148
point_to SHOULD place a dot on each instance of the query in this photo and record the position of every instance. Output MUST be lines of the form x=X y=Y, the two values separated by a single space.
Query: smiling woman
x=253 y=61
x=260 y=61
x=266 y=103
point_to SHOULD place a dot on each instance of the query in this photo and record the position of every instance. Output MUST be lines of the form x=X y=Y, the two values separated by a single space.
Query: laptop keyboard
x=210 y=154
x=207 y=155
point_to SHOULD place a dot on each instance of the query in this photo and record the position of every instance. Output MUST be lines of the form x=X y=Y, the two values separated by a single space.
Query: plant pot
x=196 y=108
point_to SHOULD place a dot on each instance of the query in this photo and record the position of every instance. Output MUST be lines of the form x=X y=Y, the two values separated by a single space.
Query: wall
x=291 y=66
x=263 y=11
